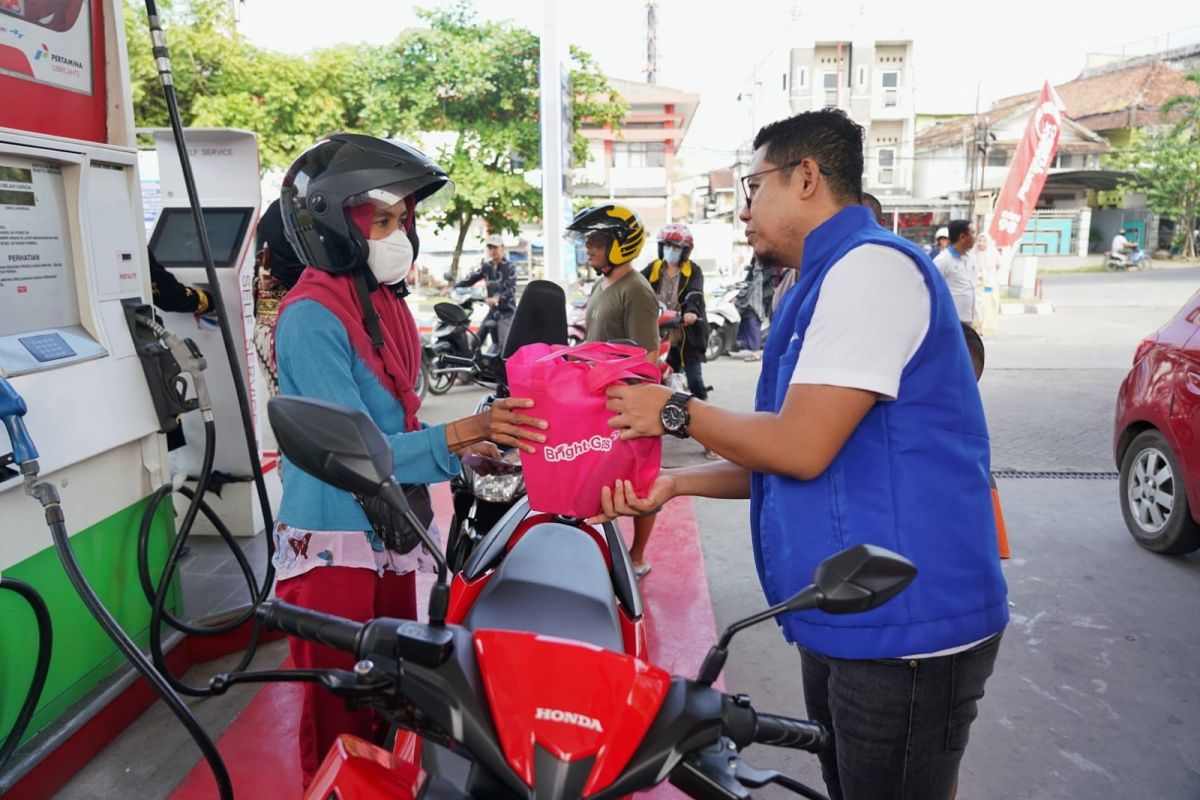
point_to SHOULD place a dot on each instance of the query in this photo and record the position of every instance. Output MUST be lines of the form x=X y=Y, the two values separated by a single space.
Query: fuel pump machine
x=225 y=164
x=72 y=251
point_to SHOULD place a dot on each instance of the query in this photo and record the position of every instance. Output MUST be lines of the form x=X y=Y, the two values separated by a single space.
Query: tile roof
x=1120 y=98
x=1104 y=102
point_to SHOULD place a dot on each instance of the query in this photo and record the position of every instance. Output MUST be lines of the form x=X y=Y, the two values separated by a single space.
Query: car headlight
x=499 y=488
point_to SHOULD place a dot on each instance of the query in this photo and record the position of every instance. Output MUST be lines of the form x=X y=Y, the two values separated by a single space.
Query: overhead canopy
x=1102 y=180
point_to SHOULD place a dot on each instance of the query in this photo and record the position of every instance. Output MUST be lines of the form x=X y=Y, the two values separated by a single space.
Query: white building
x=872 y=80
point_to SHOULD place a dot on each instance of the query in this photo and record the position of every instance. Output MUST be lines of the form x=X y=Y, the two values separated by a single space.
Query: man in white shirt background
x=957 y=268
x=1120 y=246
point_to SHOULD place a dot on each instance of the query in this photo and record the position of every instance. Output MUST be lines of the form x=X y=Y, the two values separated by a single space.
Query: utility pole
x=552 y=155
x=651 y=42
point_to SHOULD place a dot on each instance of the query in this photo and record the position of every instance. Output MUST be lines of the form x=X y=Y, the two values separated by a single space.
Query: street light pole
x=552 y=155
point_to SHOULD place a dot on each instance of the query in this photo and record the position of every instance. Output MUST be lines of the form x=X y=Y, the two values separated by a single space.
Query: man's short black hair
x=830 y=138
x=958 y=229
x=872 y=202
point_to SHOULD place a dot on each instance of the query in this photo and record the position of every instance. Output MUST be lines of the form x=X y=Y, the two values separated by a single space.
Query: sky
x=722 y=50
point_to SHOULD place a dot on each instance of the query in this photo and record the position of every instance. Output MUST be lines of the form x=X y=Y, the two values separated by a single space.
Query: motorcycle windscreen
x=558 y=703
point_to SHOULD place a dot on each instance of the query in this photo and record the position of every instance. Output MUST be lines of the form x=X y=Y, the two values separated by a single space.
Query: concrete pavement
x=1096 y=692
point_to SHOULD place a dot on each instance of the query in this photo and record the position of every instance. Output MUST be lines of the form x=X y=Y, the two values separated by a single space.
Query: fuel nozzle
x=165 y=360
x=12 y=414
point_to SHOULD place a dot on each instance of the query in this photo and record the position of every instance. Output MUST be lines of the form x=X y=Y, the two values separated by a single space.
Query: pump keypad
x=47 y=347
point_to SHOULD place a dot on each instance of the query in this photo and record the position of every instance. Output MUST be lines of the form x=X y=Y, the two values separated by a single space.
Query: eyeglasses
x=749 y=191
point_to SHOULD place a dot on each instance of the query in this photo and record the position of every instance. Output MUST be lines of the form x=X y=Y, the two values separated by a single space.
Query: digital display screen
x=37 y=264
x=176 y=243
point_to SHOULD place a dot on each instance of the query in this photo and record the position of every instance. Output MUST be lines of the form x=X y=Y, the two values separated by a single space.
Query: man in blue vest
x=868 y=427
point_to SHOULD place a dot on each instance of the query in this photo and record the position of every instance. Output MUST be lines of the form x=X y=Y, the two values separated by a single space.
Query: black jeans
x=693 y=371
x=899 y=727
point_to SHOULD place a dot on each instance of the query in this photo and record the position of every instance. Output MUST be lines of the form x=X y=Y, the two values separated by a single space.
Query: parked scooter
x=422 y=384
x=577 y=322
x=723 y=322
x=454 y=351
x=1135 y=259
x=531 y=679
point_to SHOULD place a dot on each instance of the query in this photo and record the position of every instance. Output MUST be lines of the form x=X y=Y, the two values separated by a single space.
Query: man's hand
x=622 y=501
x=638 y=409
x=492 y=301
x=689 y=318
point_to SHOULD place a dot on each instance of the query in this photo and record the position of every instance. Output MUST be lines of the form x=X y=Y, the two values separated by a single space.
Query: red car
x=1156 y=439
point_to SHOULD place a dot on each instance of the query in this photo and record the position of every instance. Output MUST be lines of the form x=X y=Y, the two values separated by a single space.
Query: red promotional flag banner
x=1027 y=174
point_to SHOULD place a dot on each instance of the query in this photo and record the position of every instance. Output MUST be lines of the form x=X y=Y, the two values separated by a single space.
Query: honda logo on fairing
x=570 y=718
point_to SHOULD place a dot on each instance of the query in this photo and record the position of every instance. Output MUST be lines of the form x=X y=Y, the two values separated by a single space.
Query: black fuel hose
x=40 y=669
x=47 y=495
x=162 y=59
x=157 y=596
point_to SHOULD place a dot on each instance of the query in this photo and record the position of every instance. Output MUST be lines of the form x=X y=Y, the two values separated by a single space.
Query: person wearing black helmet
x=345 y=335
x=621 y=306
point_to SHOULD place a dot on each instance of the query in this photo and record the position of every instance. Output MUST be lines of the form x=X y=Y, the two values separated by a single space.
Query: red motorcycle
x=530 y=679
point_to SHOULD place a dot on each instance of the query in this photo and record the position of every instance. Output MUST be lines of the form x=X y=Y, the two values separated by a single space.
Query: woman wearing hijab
x=345 y=335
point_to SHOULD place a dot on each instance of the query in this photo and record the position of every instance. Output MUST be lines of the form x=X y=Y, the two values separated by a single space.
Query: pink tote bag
x=581 y=453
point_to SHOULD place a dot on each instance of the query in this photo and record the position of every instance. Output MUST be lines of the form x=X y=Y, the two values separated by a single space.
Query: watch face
x=673 y=418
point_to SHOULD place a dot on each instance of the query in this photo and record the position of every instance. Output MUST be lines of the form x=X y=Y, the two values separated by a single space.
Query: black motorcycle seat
x=451 y=313
x=554 y=582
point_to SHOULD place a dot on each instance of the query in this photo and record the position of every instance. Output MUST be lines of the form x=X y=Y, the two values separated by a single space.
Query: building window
x=1069 y=161
x=638 y=154
x=862 y=76
x=801 y=78
x=887 y=165
x=829 y=81
x=890 y=80
x=997 y=157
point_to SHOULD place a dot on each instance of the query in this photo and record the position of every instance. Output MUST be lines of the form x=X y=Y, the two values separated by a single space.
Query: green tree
x=1166 y=167
x=1187 y=107
x=476 y=84
x=222 y=80
x=471 y=87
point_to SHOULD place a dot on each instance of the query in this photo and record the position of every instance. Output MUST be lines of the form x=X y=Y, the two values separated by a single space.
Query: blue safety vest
x=913 y=477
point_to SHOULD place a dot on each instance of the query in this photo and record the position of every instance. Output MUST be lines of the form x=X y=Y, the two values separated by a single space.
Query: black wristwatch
x=674 y=415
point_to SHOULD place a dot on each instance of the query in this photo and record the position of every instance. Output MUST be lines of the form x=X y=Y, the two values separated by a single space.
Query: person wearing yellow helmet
x=621 y=306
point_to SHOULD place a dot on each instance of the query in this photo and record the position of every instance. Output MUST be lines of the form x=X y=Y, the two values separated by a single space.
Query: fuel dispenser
x=77 y=379
x=226 y=167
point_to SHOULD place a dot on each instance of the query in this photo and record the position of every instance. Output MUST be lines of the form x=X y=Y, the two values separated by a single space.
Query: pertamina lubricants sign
x=1034 y=156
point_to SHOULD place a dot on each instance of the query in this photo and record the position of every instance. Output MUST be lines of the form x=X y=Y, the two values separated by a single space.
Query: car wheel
x=1154 y=499
x=716 y=340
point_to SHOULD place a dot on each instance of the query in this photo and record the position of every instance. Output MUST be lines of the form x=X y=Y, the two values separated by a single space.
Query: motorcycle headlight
x=499 y=488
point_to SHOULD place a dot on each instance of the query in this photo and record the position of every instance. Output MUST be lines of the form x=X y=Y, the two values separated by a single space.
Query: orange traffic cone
x=1001 y=529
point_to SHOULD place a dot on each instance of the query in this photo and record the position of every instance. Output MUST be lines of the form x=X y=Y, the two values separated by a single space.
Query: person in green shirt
x=622 y=306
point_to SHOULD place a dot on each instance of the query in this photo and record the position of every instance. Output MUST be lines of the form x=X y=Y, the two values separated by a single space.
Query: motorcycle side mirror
x=340 y=445
x=857 y=579
x=343 y=447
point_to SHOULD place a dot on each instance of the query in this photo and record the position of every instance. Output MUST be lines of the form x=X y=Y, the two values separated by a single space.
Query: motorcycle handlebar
x=797 y=734
x=326 y=629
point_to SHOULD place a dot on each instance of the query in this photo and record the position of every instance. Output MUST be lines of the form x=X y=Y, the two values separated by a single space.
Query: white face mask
x=390 y=258
x=672 y=255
